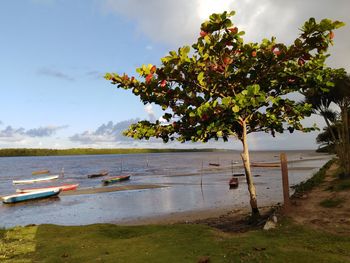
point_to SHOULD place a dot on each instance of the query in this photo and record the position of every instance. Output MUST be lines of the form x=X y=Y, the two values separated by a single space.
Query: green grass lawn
x=168 y=243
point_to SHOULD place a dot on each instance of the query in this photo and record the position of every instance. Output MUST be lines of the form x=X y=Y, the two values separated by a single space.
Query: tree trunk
x=248 y=174
x=346 y=144
x=330 y=129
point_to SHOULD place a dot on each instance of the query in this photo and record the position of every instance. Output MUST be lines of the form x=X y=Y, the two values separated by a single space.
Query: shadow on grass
x=332 y=202
x=340 y=185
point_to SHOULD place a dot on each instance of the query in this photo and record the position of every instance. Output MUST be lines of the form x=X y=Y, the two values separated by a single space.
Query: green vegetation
x=169 y=243
x=315 y=180
x=336 y=135
x=332 y=202
x=87 y=151
x=340 y=185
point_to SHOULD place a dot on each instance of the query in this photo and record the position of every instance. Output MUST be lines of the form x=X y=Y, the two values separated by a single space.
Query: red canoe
x=233 y=182
x=66 y=187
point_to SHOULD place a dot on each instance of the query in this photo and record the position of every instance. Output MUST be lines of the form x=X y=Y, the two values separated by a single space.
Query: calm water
x=180 y=173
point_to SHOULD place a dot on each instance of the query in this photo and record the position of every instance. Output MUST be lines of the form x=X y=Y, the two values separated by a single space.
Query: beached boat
x=9 y=199
x=41 y=172
x=101 y=173
x=233 y=182
x=214 y=164
x=116 y=179
x=35 y=180
x=265 y=164
x=66 y=187
x=239 y=174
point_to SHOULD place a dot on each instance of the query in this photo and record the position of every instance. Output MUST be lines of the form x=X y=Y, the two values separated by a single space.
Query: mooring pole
x=285 y=182
x=202 y=181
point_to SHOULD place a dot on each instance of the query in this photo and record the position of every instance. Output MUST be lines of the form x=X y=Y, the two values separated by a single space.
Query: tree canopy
x=229 y=79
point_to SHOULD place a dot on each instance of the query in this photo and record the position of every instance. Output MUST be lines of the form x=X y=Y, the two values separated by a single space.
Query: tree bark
x=346 y=144
x=246 y=164
x=330 y=129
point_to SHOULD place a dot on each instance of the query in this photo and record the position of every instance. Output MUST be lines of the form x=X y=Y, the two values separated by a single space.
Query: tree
x=328 y=138
x=337 y=120
x=226 y=88
x=342 y=99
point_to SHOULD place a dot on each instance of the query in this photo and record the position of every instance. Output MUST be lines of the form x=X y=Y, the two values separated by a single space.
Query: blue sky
x=54 y=54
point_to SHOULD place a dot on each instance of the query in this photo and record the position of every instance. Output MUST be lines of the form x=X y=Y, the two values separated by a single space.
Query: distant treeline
x=87 y=151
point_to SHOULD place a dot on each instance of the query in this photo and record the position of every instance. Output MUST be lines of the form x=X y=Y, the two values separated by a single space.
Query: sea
x=183 y=182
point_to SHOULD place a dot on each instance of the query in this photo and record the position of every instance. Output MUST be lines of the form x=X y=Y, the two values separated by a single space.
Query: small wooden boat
x=236 y=175
x=101 y=173
x=233 y=182
x=30 y=196
x=265 y=164
x=116 y=179
x=214 y=164
x=35 y=180
x=66 y=187
x=40 y=172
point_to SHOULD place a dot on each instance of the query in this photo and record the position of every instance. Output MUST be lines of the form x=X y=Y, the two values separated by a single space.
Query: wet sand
x=183 y=217
x=87 y=191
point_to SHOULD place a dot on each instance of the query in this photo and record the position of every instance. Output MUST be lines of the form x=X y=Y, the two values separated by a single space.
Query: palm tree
x=338 y=95
x=342 y=99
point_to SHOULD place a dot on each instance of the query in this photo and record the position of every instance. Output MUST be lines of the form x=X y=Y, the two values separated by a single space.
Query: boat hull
x=233 y=183
x=35 y=180
x=10 y=199
x=68 y=187
x=116 y=179
x=265 y=165
x=40 y=172
x=103 y=173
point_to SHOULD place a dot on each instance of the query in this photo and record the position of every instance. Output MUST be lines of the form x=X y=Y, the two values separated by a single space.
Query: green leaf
x=235 y=109
x=226 y=101
x=186 y=49
x=338 y=24
x=200 y=78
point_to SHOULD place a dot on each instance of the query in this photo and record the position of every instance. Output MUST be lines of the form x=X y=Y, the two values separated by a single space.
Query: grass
x=172 y=243
x=340 y=185
x=314 y=181
x=332 y=202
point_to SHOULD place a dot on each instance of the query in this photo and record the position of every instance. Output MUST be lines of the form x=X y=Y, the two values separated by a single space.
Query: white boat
x=9 y=199
x=36 y=180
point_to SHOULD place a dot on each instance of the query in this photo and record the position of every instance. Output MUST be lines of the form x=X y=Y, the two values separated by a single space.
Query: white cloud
x=150 y=112
x=177 y=22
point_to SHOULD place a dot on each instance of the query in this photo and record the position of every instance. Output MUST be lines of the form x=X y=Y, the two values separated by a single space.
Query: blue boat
x=10 y=199
x=116 y=179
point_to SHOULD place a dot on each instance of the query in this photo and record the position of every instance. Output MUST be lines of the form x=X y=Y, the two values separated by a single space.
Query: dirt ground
x=307 y=210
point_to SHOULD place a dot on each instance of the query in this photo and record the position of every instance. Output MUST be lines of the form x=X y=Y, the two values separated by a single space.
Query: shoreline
x=180 y=217
x=225 y=218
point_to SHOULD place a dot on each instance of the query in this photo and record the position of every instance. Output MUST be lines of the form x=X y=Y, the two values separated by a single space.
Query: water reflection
x=182 y=193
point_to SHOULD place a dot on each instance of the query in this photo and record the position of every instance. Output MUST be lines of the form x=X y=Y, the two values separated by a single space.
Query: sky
x=54 y=54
